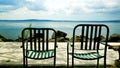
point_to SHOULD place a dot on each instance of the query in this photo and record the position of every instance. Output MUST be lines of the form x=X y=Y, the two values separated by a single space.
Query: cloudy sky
x=60 y=9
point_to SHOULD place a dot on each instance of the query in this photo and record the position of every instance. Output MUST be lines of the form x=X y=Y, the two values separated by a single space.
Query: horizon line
x=64 y=20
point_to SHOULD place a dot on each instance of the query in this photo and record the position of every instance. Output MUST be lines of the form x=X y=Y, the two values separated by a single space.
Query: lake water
x=13 y=29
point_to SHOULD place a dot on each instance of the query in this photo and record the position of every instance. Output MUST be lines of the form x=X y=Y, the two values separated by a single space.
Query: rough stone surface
x=61 y=36
x=11 y=54
x=115 y=38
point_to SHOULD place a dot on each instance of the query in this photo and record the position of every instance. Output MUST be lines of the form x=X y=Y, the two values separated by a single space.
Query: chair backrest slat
x=47 y=36
x=39 y=38
x=86 y=39
x=99 y=35
x=43 y=39
x=31 y=39
x=95 y=36
x=90 y=35
x=82 y=36
x=35 y=39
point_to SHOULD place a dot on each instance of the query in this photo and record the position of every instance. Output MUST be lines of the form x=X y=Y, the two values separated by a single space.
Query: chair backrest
x=38 y=39
x=90 y=35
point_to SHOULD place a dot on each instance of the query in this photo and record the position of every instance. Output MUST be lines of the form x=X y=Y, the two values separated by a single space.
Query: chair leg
x=26 y=63
x=68 y=55
x=72 y=62
x=54 y=62
x=97 y=63
x=105 y=62
x=67 y=60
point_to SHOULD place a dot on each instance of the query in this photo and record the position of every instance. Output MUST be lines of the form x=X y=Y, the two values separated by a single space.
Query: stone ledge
x=11 y=56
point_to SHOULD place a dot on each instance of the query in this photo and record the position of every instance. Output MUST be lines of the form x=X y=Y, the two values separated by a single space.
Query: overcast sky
x=60 y=9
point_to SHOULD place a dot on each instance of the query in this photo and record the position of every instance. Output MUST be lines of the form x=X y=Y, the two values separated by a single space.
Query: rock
x=59 y=34
x=77 y=39
x=19 y=39
x=102 y=38
x=8 y=60
x=62 y=39
x=114 y=38
x=38 y=35
x=1 y=40
x=35 y=36
x=117 y=63
x=51 y=40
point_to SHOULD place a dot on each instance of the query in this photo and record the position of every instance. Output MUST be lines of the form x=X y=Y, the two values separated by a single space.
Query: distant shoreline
x=37 y=20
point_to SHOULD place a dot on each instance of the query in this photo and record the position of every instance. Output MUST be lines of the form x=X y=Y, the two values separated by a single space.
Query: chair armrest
x=25 y=41
x=56 y=46
x=68 y=44
x=103 y=43
x=68 y=47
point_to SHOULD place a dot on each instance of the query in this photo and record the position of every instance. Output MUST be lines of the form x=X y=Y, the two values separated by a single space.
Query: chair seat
x=87 y=56
x=40 y=54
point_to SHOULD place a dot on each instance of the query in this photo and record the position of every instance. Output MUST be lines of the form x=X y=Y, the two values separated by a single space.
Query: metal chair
x=36 y=45
x=89 y=37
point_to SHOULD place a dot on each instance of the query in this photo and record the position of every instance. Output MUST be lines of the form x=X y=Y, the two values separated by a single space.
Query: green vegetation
x=3 y=38
x=27 y=32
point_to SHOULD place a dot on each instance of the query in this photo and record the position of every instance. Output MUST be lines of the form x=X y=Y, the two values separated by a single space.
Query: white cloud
x=6 y=7
x=78 y=6
x=31 y=0
x=35 y=5
x=110 y=3
x=25 y=13
x=60 y=9
x=68 y=6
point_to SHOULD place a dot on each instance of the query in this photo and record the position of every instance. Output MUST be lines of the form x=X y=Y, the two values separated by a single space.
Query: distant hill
x=24 y=20
x=37 y=20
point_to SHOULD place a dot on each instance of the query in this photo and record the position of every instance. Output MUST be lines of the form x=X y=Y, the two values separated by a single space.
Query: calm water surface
x=13 y=29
